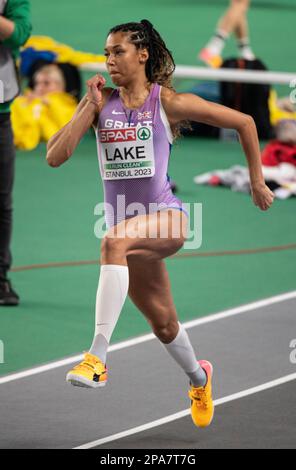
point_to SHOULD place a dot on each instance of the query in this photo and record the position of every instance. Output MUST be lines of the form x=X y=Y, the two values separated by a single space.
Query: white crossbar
x=227 y=75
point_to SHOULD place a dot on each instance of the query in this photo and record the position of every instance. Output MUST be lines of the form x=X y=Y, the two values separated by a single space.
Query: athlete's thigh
x=162 y=232
x=150 y=290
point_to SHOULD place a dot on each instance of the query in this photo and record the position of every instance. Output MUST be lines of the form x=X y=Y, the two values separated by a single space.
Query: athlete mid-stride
x=135 y=124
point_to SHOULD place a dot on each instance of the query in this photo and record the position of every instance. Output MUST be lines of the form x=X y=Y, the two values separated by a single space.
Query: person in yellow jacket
x=40 y=113
x=280 y=108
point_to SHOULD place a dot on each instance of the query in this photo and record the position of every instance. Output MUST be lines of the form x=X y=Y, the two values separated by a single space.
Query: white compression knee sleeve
x=182 y=351
x=111 y=295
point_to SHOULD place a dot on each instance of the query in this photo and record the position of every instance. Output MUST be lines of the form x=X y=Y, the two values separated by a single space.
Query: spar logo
x=117 y=135
x=144 y=133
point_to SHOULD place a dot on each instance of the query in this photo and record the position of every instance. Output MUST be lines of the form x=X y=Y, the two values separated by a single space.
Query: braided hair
x=160 y=64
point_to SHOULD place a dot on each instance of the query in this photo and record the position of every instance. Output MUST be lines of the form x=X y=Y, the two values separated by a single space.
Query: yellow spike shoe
x=90 y=373
x=214 y=61
x=202 y=405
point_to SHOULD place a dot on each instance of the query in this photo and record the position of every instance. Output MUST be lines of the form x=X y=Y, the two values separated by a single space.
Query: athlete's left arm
x=186 y=106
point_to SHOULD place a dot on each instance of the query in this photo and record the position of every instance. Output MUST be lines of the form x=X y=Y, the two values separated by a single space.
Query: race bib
x=126 y=153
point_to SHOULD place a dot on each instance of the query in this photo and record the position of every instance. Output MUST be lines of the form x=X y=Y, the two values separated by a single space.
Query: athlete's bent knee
x=166 y=331
x=112 y=245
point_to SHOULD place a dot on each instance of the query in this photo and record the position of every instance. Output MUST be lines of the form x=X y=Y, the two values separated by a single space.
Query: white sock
x=217 y=42
x=182 y=351
x=245 y=49
x=111 y=295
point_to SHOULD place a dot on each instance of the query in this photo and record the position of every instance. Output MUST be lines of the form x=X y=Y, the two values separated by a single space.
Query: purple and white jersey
x=133 y=150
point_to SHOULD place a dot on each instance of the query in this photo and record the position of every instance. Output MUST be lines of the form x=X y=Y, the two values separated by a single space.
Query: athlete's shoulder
x=167 y=94
x=169 y=98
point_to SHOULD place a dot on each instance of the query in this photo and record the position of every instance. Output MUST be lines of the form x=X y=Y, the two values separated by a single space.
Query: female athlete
x=135 y=124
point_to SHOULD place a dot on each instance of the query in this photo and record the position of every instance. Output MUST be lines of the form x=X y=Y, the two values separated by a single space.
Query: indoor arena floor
x=145 y=405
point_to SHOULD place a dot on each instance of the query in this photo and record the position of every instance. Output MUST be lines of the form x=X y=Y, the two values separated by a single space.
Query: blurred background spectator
x=42 y=110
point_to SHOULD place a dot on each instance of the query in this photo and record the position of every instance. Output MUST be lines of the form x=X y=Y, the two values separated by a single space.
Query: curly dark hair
x=160 y=64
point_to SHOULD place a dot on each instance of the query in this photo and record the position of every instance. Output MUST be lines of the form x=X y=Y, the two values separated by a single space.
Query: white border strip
x=148 y=337
x=182 y=414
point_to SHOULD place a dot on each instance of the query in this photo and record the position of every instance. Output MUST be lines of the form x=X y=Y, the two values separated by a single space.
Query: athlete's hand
x=262 y=196
x=94 y=89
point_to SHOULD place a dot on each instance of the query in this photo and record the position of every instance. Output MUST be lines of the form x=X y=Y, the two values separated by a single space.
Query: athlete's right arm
x=61 y=146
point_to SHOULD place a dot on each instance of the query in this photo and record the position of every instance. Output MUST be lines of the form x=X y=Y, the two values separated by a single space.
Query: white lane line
x=181 y=414
x=148 y=337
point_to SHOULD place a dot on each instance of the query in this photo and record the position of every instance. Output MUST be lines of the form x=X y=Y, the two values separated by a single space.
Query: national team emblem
x=145 y=115
x=144 y=133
